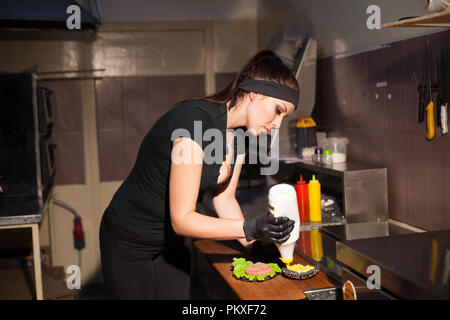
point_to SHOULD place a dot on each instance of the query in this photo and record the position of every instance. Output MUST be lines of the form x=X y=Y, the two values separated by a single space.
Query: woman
x=142 y=231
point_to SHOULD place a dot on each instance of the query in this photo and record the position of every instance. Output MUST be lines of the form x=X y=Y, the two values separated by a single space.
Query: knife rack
x=422 y=88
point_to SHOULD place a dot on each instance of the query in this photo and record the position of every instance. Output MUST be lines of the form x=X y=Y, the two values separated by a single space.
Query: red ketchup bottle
x=301 y=189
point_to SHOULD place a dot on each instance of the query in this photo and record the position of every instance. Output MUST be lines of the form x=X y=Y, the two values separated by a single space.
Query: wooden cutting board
x=221 y=253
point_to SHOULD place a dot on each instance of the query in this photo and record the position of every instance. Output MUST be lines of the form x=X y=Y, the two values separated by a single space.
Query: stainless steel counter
x=412 y=266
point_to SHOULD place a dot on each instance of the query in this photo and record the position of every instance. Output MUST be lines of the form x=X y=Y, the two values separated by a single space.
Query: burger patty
x=258 y=268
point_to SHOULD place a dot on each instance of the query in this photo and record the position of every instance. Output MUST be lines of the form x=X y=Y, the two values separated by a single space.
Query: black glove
x=276 y=229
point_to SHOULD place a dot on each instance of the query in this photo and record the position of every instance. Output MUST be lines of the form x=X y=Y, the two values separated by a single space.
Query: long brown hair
x=265 y=65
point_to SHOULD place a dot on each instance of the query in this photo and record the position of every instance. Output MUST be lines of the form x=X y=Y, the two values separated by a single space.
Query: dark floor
x=92 y=292
x=98 y=292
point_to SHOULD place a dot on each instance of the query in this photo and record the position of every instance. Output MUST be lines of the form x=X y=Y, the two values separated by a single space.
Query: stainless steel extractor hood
x=305 y=73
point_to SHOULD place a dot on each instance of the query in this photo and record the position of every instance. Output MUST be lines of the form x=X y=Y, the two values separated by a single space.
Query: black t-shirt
x=141 y=204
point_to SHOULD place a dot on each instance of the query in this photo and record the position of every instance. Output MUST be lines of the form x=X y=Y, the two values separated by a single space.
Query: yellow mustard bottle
x=315 y=207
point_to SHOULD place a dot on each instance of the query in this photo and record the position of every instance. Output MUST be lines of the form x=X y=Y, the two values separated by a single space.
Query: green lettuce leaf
x=240 y=264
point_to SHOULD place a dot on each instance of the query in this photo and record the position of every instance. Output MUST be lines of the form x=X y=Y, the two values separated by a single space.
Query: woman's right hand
x=277 y=229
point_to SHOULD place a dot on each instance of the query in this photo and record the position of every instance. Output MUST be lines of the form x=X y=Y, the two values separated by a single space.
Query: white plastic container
x=434 y=5
x=338 y=147
x=283 y=202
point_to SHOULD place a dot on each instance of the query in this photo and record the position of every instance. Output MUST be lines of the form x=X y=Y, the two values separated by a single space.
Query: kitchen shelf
x=337 y=169
x=327 y=220
x=439 y=19
x=358 y=189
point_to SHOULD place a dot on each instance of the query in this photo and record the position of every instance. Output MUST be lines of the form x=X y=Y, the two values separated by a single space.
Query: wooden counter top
x=221 y=253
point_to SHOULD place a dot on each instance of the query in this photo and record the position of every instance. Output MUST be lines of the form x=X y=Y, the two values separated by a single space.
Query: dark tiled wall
x=127 y=108
x=381 y=123
x=224 y=79
x=67 y=130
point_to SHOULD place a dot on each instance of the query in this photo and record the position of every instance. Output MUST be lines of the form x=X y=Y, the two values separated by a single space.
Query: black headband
x=272 y=89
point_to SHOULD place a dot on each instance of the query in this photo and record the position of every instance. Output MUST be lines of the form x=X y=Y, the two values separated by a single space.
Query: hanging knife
x=442 y=98
x=439 y=94
x=444 y=119
x=428 y=99
x=422 y=90
x=445 y=88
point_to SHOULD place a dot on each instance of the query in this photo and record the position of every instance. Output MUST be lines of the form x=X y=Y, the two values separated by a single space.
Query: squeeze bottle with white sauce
x=283 y=203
